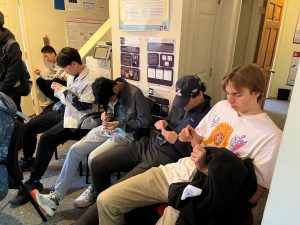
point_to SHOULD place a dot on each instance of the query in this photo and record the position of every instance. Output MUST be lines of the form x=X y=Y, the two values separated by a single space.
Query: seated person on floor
x=238 y=124
x=59 y=125
x=140 y=156
x=54 y=73
x=128 y=120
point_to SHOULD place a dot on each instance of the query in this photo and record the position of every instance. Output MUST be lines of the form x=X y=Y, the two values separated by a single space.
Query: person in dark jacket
x=10 y=65
x=219 y=192
x=129 y=120
x=160 y=149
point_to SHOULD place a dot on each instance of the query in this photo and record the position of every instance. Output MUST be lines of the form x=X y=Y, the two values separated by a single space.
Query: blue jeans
x=96 y=141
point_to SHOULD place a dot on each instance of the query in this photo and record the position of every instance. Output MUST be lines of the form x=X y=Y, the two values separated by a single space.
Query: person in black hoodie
x=219 y=192
x=10 y=65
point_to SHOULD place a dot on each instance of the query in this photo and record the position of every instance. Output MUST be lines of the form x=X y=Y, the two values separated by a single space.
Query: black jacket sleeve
x=80 y=106
x=14 y=67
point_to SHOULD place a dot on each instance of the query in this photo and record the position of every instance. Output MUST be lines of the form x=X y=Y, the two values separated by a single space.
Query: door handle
x=272 y=71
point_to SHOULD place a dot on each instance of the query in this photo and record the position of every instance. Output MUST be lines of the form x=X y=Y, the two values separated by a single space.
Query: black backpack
x=25 y=83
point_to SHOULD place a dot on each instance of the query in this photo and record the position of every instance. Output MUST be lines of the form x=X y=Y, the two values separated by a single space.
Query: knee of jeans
x=74 y=151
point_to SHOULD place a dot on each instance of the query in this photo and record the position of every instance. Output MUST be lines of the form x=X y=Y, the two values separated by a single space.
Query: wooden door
x=268 y=37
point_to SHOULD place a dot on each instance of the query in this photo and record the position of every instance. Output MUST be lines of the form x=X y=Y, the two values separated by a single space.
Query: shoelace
x=53 y=197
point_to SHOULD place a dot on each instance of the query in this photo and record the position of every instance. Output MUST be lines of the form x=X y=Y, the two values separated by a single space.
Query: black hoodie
x=10 y=63
x=226 y=190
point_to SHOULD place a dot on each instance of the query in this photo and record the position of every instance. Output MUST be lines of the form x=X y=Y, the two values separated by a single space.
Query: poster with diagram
x=130 y=58
x=293 y=69
x=79 y=30
x=160 y=61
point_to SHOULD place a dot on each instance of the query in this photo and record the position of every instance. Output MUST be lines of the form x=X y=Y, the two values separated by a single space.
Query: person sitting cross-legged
x=127 y=120
x=238 y=124
x=53 y=73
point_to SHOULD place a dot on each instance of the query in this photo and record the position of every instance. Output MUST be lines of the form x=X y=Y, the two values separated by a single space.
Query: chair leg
x=55 y=154
x=87 y=171
x=33 y=202
x=80 y=169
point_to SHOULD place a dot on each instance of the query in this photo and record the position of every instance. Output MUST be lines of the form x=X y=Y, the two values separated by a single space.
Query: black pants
x=45 y=86
x=139 y=157
x=54 y=134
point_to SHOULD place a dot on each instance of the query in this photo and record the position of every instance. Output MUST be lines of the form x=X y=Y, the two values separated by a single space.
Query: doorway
x=11 y=11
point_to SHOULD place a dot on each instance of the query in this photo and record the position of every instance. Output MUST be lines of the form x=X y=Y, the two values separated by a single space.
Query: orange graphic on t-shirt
x=219 y=136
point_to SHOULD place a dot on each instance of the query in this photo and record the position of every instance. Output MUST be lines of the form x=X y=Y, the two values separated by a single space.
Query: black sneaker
x=26 y=164
x=21 y=197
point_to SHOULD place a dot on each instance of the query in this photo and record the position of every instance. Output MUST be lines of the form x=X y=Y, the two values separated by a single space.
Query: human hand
x=161 y=124
x=189 y=134
x=56 y=86
x=111 y=125
x=37 y=72
x=170 y=136
x=104 y=117
x=198 y=156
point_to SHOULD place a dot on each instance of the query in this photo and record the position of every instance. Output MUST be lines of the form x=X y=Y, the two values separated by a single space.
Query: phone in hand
x=161 y=139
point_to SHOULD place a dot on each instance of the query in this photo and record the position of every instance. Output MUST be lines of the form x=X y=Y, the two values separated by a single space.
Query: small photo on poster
x=130 y=73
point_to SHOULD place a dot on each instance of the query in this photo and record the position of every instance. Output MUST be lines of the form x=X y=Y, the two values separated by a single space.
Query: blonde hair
x=246 y=76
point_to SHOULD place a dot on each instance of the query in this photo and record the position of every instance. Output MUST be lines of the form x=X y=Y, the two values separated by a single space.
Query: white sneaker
x=87 y=198
x=48 y=203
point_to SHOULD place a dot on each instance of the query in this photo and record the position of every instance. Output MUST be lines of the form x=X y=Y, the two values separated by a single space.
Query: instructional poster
x=144 y=15
x=293 y=69
x=130 y=58
x=79 y=30
x=160 y=60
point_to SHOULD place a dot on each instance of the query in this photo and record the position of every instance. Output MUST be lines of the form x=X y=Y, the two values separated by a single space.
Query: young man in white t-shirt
x=239 y=124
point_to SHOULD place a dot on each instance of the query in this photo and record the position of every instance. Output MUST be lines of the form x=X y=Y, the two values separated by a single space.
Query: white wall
x=283 y=204
x=40 y=19
x=285 y=48
x=243 y=33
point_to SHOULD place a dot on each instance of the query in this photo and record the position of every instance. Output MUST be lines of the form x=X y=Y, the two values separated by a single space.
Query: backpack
x=8 y=111
x=25 y=83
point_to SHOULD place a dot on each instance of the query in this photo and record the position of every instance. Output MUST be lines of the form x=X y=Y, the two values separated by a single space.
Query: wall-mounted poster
x=144 y=15
x=80 y=30
x=160 y=60
x=293 y=69
x=130 y=58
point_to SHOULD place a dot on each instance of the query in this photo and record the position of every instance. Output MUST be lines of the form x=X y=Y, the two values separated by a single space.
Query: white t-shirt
x=253 y=136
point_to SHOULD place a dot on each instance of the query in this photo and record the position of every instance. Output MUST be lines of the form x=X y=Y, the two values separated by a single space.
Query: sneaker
x=26 y=163
x=48 y=203
x=21 y=197
x=87 y=198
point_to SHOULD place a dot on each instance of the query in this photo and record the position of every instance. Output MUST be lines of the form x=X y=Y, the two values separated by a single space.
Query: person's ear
x=115 y=89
